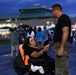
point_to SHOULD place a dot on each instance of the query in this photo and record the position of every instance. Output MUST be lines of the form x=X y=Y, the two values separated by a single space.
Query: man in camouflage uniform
x=61 y=40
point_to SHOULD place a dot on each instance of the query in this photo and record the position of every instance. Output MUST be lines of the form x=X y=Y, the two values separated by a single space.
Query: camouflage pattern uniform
x=61 y=63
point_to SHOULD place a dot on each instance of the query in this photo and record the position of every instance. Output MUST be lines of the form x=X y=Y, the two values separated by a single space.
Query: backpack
x=19 y=65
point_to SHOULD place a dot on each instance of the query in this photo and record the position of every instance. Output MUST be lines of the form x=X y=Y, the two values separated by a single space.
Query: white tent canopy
x=48 y=27
x=51 y=26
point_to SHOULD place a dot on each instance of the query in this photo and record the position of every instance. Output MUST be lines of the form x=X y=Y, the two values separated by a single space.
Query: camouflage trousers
x=61 y=63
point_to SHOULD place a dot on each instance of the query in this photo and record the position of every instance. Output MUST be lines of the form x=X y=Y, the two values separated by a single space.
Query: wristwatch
x=42 y=51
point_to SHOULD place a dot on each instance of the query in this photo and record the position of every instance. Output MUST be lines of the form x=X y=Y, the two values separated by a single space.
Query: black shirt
x=21 y=33
x=63 y=21
x=29 y=50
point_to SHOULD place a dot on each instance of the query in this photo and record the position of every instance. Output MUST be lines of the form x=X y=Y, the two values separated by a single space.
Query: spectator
x=30 y=33
x=52 y=35
x=40 y=37
x=14 y=41
x=75 y=36
x=46 y=33
x=71 y=37
x=35 y=30
x=21 y=32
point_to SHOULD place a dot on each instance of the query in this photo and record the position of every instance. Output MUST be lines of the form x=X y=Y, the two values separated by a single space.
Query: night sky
x=8 y=7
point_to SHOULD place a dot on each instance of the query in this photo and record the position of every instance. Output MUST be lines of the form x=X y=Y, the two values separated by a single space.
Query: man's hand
x=60 y=52
x=46 y=48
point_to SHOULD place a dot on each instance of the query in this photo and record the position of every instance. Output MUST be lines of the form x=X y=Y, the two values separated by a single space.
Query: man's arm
x=64 y=36
x=51 y=43
x=64 y=40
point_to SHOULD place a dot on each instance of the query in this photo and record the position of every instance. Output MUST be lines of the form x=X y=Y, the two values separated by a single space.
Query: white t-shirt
x=31 y=35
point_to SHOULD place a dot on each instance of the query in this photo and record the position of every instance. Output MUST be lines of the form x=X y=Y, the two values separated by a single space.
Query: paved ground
x=6 y=61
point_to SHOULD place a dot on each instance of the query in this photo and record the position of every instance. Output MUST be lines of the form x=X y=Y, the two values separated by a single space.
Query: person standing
x=30 y=33
x=46 y=33
x=22 y=34
x=14 y=41
x=75 y=36
x=40 y=37
x=71 y=37
x=61 y=40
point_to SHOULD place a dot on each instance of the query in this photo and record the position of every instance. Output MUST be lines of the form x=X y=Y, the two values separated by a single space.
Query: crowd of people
x=39 y=35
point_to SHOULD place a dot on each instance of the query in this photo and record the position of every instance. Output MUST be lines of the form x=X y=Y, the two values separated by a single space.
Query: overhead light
x=8 y=20
x=20 y=23
x=48 y=23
